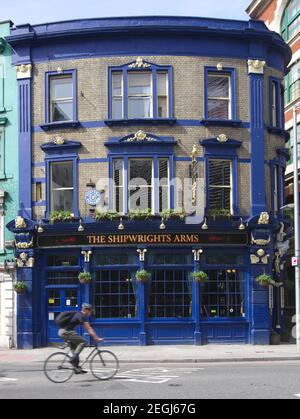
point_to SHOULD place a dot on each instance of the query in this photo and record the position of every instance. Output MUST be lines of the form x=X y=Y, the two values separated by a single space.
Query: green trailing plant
x=142 y=276
x=169 y=214
x=219 y=212
x=61 y=216
x=20 y=287
x=264 y=280
x=85 y=277
x=109 y=215
x=140 y=215
x=200 y=277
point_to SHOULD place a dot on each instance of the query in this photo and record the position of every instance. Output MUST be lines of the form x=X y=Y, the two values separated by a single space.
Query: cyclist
x=77 y=342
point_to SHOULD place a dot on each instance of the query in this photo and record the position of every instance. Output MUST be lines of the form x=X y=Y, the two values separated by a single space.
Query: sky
x=42 y=11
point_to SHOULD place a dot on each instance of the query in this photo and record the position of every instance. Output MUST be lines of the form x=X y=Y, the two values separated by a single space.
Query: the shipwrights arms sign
x=144 y=238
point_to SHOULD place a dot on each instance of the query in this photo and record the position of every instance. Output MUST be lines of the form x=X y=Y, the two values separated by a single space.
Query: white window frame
x=165 y=186
x=117 y=96
x=141 y=96
x=60 y=100
x=166 y=96
x=59 y=189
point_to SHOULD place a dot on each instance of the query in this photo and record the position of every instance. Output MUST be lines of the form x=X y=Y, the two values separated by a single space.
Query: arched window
x=290 y=25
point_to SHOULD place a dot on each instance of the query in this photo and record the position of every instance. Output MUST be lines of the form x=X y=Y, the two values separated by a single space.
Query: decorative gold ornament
x=140 y=136
x=264 y=218
x=24 y=245
x=220 y=67
x=24 y=261
x=59 y=141
x=20 y=222
x=222 y=138
x=194 y=153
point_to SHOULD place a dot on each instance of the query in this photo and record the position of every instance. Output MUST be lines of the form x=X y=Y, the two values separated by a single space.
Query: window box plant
x=219 y=213
x=200 y=277
x=140 y=215
x=20 y=287
x=264 y=280
x=142 y=276
x=85 y=278
x=61 y=217
x=173 y=214
x=108 y=215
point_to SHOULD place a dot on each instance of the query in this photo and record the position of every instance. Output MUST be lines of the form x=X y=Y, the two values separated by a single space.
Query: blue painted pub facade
x=104 y=102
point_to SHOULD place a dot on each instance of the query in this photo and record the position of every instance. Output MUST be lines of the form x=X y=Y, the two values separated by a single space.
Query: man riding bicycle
x=77 y=342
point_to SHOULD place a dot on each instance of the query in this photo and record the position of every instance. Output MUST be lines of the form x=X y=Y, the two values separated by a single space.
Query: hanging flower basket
x=20 y=287
x=142 y=276
x=264 y=280
x=85 y=278
x=200 y=277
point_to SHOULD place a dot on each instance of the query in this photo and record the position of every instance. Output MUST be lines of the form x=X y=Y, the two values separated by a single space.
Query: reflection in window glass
x=219 y=96
x=223 y=294
x=220 y=184
x=118 y=179
x=61 y=187
x=115 y=294
x=140 y=95
x=163 y=184
x=162 y=94
x=117 y=95
x=61 y=98
x=170 y=294
x=140 y=184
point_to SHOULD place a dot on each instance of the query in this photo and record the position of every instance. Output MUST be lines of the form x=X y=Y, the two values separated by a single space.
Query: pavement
x=172 y=354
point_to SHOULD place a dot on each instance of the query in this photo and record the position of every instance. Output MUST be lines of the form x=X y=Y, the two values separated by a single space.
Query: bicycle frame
x=96 y=349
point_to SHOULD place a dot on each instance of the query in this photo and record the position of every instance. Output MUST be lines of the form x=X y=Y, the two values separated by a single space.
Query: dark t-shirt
x=77 y=319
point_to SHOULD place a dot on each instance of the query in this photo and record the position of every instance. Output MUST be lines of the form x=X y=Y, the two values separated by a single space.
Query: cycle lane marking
x=154 y=376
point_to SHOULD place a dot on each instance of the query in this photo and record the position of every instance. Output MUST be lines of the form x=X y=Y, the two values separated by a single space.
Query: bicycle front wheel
x=58 y=368
x=104 y=365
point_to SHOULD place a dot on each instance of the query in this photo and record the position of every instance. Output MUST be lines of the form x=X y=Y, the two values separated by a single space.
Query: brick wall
x=188 y=104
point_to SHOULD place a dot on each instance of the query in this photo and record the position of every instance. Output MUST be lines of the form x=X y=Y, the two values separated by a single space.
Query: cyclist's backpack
x=64 y=318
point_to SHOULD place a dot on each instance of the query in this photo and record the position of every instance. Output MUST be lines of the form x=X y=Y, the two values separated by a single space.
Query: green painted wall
x=9 y=169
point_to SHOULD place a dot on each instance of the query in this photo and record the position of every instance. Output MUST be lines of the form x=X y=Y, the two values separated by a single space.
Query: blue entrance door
x=58 y=300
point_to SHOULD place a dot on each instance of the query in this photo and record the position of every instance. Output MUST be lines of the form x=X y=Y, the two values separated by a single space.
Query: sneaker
x=79 y=370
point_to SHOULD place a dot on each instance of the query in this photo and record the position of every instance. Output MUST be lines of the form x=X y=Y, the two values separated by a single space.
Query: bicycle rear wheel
x=58 y=368
x=104 y=365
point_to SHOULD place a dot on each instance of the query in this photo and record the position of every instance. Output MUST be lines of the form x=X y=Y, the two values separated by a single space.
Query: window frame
x=231 y=74
x=276 y=103
x=48 y=104
x=2 y=152
x=155 y=179
x=49 y=161
x=208 y=187
x=288 y=84
x=287 y=22
x=151 y=68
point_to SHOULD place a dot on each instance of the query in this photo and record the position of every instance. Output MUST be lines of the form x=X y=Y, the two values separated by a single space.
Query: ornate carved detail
x=259 y=257
x=139 y=64
x=24 y=245
x=264 y=218
x=24 y=261
x=222 y=138
x=256 y=66
x=139 y=136
x=260 y=242
x=20 y=222
x=220 y=66
x=24 y=71
x=58 y=141
x=87 y=255
x=194 y=153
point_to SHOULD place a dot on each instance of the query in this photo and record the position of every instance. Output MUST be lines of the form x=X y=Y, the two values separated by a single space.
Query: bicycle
x=104 y=365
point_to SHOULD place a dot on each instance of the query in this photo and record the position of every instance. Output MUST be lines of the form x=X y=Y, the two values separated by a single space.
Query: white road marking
x=4 y=379
x=297 y=395
x=155 y=375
